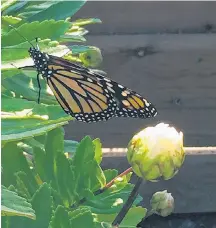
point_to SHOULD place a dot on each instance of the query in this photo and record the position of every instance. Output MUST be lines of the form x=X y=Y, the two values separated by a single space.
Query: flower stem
x=108 y=185
x=128 y=204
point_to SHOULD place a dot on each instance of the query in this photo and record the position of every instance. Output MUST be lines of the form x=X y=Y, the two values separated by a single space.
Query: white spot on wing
x=89 y=79
x=110 y=89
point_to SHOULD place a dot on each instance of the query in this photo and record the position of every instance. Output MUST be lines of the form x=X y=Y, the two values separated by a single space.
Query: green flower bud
x=53 y=43
x=92 y=57
x=156 y=152
x=162 y=203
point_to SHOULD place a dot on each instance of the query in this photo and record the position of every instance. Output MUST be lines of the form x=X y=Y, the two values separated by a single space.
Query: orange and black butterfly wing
x=130 y=103
x=121 y=101
x=80 y=95
x=88 y=95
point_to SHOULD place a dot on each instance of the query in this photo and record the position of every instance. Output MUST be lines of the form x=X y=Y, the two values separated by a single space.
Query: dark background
x=166 y=51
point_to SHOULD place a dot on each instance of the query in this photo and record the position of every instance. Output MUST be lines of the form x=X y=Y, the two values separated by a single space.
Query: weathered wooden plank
x=177 y=73
x=193 y=187
x=139 y=17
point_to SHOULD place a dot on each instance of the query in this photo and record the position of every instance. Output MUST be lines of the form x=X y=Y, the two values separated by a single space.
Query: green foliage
x=53 y=183
x=48 y=181
x=47 y=29
x=135 y=214
x=22 y=119
x=14 y=205
x=41 y=10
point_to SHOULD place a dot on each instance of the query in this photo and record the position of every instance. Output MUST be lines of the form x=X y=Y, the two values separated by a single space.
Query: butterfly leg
x=39 y=86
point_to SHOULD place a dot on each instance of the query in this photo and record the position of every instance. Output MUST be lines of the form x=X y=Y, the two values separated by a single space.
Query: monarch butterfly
x=85 y=94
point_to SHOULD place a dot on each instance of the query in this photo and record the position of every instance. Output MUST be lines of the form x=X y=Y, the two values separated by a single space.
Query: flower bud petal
x=156 y=152
x=162 y=203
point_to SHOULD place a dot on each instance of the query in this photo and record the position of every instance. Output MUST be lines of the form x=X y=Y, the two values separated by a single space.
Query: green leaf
x=104 y=225
x=98 y=150
x=6 y=4
x=77 y=49
x=22 y=119
x=18 y=55
x=11 y=6
x=86 y=169
x=14 y=205
x=42 y=203
x=110 y=174
x=113 y=198
x=81 y=22
x=70 y=146
x=72 y=38
x=26 y=86
x=24 y=186
x=40 y=161
x=8 y=20
x=47 y=29
x=14 y=161
x=65 y=180
x=77 y=31
x=81 y=218
x=53 y=167
x=110 y=201
x=54 y=146
x=60 y=218
x=39 y=11
x=30 y=143
x=132 y=218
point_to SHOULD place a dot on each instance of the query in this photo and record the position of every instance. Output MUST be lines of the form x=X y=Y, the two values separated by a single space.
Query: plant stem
x=128 y=204
x=108 y=185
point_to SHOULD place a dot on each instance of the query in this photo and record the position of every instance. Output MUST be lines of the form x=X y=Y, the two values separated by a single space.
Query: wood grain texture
x=139 y=17
x=193 y=187
x=177 y=73
x=165 y=51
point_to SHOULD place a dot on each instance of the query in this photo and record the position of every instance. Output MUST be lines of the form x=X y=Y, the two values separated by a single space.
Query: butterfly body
x=87 y=95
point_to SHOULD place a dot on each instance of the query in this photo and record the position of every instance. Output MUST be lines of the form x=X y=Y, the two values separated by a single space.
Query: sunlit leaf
x=98 y=150
x=8 y=20
x=14 y=205
x=22 y=119
x=20 y=52
x=6 y=4
x=47 y=29
x=42 y=10
x=81 y=22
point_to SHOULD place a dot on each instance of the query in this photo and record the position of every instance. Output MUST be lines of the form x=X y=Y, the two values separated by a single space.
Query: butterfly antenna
x=37 y=46
x=22 y=35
